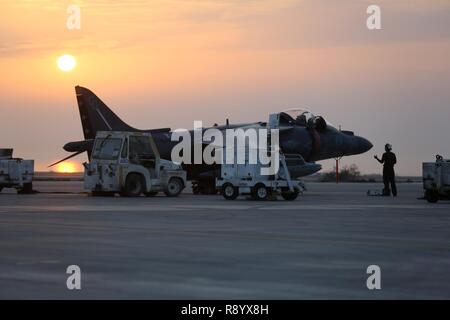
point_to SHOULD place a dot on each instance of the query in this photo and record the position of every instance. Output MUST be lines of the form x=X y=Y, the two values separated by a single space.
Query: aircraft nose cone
x=364 y=145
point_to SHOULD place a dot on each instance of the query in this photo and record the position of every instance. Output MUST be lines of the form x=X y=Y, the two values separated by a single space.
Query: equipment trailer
x=236 y=179
x=245 y=179
x=16 y=172
x=436 y=179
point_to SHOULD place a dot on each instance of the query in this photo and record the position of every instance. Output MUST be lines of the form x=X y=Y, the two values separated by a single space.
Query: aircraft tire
x=195 y=189
x=431 y=196
x=290 y=196
x=208 y=187
x=102 y=194
x=229 y=191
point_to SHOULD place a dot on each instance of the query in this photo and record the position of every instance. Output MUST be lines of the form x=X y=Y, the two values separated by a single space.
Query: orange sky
x=169 y=62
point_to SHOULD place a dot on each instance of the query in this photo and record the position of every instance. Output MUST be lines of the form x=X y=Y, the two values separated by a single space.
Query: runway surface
x=204 y=247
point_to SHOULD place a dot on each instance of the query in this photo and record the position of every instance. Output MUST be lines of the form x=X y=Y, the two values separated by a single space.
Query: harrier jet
x=304 y=139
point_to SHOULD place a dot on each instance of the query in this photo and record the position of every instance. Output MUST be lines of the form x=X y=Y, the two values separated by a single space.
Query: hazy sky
x=166 y=63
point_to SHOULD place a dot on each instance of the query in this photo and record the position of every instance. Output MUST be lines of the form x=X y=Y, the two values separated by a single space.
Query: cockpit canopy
x=303 y=118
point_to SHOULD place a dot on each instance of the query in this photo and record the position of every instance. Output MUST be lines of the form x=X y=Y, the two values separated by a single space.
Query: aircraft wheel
x=174 y=187
x=229 y=191
x=195 y=189
x=290 y=196
x=134 y=185
x=208 y=187
x=431 y=196
x=102 y=194
x=260 y=192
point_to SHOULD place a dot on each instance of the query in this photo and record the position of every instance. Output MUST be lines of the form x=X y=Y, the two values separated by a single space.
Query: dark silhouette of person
x=388 y=160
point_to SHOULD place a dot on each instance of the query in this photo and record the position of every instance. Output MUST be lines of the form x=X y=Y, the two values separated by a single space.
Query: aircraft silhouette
x=301 y=134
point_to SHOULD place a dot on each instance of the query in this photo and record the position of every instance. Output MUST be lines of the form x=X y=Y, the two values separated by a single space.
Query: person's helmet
x=388 y=147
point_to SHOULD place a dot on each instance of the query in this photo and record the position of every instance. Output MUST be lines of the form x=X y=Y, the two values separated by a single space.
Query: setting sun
x=66 y=62
x=66 y=167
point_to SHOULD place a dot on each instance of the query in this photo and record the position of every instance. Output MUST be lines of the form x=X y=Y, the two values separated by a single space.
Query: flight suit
x=389 y=160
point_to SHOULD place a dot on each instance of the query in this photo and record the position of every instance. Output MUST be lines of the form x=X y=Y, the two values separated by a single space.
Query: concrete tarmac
x=205 y=247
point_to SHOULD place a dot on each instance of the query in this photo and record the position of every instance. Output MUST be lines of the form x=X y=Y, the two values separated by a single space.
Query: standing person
x=388 y=160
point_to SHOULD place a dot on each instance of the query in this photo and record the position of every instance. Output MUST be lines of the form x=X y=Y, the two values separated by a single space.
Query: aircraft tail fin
x=96 y=116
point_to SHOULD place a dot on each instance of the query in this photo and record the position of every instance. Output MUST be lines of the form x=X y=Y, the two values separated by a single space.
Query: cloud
x=44 y=45
x=39 y=25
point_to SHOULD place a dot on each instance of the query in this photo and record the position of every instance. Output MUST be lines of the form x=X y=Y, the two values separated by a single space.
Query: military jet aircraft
x=304 y=139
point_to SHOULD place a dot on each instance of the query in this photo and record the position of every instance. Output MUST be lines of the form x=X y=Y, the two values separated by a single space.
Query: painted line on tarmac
x=127 y=208
x=352 y=207
x=406 y=244
x=208 y=207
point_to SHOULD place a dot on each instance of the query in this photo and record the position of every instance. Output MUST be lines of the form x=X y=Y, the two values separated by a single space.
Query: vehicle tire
x=26 y=189
x=134 y=185
x=289 y=195
x=174 y=187
x=229 y=191
x=151 y=194
x=432 y=196
x=260 y=192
